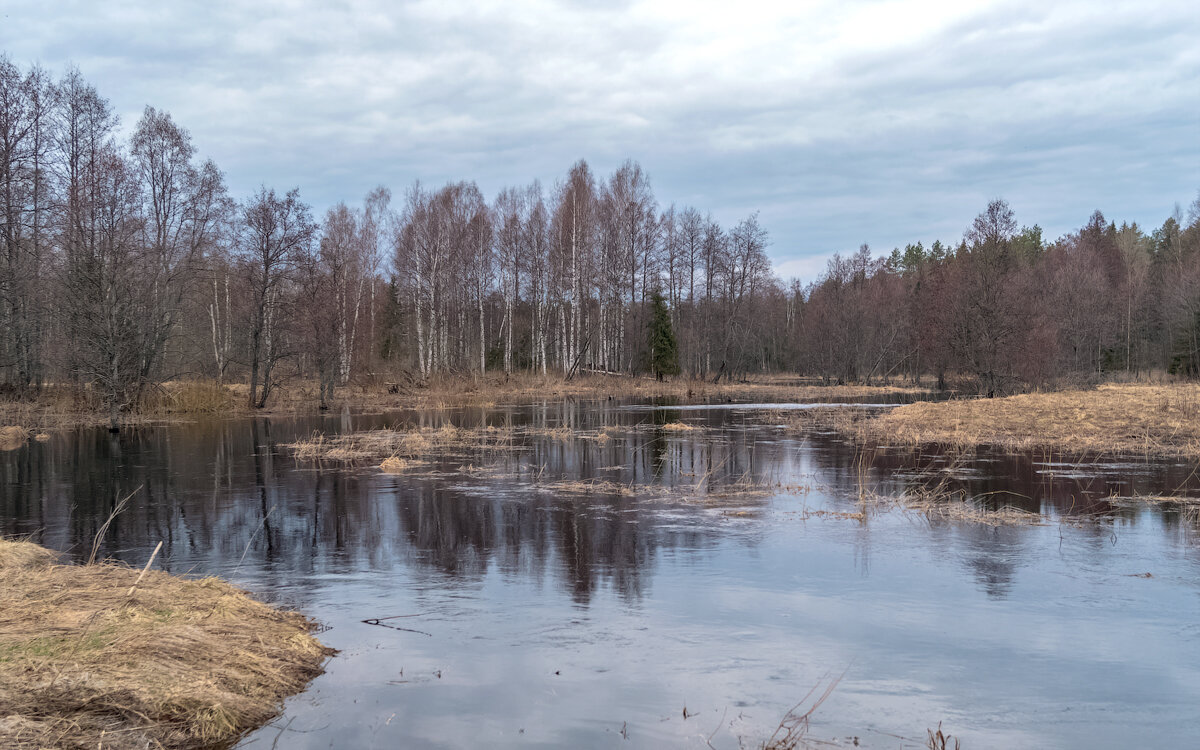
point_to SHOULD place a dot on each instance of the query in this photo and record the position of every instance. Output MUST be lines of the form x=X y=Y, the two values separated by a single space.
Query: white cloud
x=880 y=121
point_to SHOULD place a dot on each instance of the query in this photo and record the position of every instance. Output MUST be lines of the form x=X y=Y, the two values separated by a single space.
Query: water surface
x=527 y=614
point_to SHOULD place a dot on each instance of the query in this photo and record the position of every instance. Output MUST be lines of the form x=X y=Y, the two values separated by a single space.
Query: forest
x=127 y=263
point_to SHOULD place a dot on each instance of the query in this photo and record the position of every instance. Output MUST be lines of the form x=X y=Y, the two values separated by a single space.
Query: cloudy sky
x=841 y=122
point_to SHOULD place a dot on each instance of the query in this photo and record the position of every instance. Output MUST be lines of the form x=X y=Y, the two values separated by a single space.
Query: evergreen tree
x=664 y=351
x=389 y=330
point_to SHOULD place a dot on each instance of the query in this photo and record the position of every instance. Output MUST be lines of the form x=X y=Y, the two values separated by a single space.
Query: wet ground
x=662 y=587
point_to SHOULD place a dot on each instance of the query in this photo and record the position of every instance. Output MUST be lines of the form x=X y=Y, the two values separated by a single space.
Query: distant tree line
x=1007 y=308
x=127 y=263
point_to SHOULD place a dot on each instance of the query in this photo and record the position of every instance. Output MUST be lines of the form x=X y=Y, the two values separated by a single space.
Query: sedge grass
x=177 y=663
x=1116 y=420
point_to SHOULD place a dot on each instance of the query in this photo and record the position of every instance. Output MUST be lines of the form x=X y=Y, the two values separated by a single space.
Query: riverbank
x=1110 y=420
x=92 y=656
x=185 y=400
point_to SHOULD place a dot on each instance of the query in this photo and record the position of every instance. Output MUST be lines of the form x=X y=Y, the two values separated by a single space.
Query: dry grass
x=679 y=427
x=964 y=509
x=554 y=433
x=393 y=465
x=587 y=487
x=1142 y=420
x=526 y=387
x=13 y=437
x=413 y=453
x=64 y=406
x=61 y=406
x=191 y=397
x=377 y=445
x=177 y=663
x=381 y=445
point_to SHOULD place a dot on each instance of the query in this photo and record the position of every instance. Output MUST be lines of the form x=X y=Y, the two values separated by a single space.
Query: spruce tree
x=664 y=351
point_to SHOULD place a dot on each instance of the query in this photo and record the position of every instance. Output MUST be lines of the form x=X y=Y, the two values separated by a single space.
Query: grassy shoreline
x=94 y=656
x=1111 y=420
x=187 y=400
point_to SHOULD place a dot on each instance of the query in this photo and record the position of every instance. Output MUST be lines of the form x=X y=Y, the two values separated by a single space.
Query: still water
x=524 y=614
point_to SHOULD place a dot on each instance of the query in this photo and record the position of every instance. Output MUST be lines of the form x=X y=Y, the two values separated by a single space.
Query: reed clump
x=393 y=465
x=1116 y=419
x=379 y=445
x=92 y=657
x=12 y=437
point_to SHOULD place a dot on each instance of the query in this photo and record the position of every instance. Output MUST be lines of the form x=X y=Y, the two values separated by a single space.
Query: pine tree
x=664 y=351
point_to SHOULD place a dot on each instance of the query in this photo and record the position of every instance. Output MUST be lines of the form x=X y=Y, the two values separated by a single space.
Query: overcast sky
x=841 y=122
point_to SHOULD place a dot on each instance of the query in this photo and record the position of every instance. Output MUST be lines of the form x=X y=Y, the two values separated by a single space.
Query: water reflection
x=643 y=604
x=224 y=493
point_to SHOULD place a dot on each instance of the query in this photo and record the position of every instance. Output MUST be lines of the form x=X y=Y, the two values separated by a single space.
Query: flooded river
x=661 y=587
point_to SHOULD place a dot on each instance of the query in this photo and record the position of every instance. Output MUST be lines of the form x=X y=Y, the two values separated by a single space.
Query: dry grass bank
x=60 y=408
x=523 y=388
x=64 y=407
x=1133 y=420
x=88 y=662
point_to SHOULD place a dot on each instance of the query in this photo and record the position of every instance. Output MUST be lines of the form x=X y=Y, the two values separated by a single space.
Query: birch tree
x=275 y=234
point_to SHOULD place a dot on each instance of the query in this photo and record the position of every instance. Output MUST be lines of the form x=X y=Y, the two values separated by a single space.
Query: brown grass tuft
x=393 y=465
x=13 y=437
x=179 y=663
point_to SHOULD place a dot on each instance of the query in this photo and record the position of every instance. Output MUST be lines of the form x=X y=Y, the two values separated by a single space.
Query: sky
x=841 y=123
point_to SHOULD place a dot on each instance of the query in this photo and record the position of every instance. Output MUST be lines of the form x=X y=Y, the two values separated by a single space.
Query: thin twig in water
x=376 y=621
x=281 y=731
x=254 y=536
x=794 y=726
x=721 y=723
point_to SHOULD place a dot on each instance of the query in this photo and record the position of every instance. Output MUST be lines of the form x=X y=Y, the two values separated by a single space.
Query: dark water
x=538 y=617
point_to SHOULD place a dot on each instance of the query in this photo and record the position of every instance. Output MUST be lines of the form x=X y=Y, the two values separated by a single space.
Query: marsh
x=538 y=586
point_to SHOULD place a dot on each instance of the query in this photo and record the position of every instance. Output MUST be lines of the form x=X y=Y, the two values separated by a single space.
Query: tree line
x=1009 y=309
x=127 y=263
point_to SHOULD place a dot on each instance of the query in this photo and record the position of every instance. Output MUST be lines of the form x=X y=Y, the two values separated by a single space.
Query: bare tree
x=276 y=233
x=183 y=206
x=26 y=101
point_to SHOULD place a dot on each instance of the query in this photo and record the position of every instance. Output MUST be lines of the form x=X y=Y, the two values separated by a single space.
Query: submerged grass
x=92 y=657
x=959 y=507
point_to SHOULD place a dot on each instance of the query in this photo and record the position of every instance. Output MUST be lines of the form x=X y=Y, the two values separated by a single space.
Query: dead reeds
x=793 y=728
x=393 y=465
x=1117 y=420
x=191 y=397
x=13 y=437
x=85 y=663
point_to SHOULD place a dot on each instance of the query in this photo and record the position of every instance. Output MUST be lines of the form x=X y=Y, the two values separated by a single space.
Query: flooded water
x=559 y=593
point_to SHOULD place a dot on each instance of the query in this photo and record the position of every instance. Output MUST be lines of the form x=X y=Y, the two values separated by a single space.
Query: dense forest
x=127 y=263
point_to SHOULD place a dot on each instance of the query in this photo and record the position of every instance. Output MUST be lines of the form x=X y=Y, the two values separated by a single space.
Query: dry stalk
x=149 y=562
x=116 y=511
x=793 y=727
x=941 y=741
